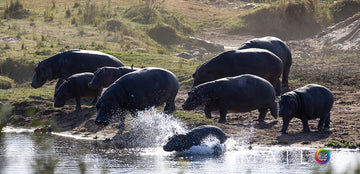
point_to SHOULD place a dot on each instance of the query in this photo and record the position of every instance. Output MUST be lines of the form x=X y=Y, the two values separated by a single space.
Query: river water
x=23 y=152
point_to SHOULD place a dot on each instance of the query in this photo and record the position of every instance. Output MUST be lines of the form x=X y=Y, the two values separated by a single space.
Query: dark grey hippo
x=135 y=91
x=307 y=103
x=276 y=46
x=105 y=76
x=76 y=86
x=242 y=93
x=255 y=61
x=67 y=63
x=194 y=137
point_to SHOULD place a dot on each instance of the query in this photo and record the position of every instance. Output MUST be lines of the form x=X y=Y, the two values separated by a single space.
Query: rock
x=184 y=55
x=209 y=46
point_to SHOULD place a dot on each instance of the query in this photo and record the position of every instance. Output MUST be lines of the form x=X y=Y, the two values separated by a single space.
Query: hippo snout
x=167 y=148
x=187 y=107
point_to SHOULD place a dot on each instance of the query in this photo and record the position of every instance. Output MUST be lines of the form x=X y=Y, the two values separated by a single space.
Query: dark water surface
x=28 y=153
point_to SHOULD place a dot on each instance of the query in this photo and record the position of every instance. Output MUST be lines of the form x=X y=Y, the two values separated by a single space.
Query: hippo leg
x=207 y=112
x=305 y=125
x=94 y=100
x=274 y=110
x=285 y=77
x=321 y=124
x=262 y=114
x=286 y=122
x=170 y=106
x=223 y=113
x=78 y=103
x=327 y=122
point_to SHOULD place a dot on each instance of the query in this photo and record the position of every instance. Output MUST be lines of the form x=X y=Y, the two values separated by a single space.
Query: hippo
x=276 y=46
x=194 y=137
x=242 y=93
x=307 y=103
x=255 y=61
x=135 y=91
x=105 y=76
x=70 y=62
x=76 y=86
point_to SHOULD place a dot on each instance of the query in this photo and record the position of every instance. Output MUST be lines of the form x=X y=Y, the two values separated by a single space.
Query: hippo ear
x=132 y=66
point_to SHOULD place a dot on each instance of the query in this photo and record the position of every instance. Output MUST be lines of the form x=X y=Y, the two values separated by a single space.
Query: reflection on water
x=27 y=153
x=24 y=152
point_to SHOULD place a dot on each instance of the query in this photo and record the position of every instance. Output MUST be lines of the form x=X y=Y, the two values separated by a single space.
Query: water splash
x=152 y=128
x=209 y=146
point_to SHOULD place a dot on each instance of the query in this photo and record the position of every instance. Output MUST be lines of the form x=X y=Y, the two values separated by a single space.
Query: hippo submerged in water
x=138 y=90
x=276 y=46
x=70 y=62
x=307 y=103
x=255 y=61
x=105 y=76
x=76 y=86
x=242 y=93
x=194 y=137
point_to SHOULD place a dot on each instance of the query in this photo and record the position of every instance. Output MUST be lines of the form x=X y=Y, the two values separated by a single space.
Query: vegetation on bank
x=293 y=19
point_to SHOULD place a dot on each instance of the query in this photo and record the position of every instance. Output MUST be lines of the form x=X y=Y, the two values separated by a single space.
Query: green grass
x=192 y=119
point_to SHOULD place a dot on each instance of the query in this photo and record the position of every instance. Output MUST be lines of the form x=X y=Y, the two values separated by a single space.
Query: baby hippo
x=194 y=137
x=307 y=103
x=105 y=76
x=76 y=86
x=242 y=93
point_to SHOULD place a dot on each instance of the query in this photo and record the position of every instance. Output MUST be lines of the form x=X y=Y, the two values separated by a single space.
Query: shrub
x=142 y=14
x=6 y=83
x=288 y=21
x=344 y=9
x=164 y=34
x=15 y=10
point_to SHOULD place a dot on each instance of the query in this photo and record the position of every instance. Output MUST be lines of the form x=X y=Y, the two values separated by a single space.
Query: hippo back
x=144 y=88
x=77 y=61
x=273 y=44
x=255 y=61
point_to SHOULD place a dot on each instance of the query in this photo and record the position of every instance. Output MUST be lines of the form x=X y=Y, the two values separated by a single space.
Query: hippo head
x=195 y=98
x=98 y=80
x=288 y=104
x=42 y=73
x=176 y=142
x=105 y=110
x=62 y=95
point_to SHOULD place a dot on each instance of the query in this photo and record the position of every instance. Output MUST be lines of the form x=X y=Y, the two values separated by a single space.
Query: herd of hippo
x=238 y=81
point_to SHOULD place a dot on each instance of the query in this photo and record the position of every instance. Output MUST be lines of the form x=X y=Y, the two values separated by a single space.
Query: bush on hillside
x=289 y=21
x=15 y=10
x=344 y=9
x=164 y=34
x=142 y=14
x=6 y=83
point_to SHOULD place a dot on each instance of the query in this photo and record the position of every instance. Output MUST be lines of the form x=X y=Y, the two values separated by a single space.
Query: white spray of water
x=209 y=145
x=152 y=128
